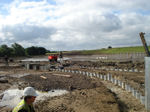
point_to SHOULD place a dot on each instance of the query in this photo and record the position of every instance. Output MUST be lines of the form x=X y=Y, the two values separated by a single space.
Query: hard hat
x=29 y=91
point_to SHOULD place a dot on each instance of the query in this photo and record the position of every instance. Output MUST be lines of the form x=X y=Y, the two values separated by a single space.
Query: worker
x=61 y=57
x=55 y=57
x=6 y=60
x=26 y=105
x=60 y=54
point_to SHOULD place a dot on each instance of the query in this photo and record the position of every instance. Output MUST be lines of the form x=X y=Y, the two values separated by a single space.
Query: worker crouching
x=26 y=105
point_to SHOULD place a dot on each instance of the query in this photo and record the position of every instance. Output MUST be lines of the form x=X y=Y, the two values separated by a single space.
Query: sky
x=74 y=24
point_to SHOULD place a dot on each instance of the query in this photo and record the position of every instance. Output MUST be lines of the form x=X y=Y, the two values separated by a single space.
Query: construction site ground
x=85 y=94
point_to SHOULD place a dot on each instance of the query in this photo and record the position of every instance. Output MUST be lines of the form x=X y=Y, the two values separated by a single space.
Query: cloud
x=74 y=24
x=28 y=32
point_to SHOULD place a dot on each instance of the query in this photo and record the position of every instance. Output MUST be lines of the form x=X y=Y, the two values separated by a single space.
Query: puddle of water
x=43 y=95
x=34 y=59
x=19 y=75
x=2 y=71
x=12 y=97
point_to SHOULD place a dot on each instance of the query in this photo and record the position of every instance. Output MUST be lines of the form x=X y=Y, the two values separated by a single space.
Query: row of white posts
x=143 y=99
x=114 y=69
x=110 y=78
x=43 y=67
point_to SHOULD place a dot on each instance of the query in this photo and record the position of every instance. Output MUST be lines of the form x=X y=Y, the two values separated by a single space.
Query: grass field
x=110 y=51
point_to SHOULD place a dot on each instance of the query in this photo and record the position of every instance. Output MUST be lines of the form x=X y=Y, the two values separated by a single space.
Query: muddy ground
x=59 y=81
x=135 y=79
x=85 y=94
x=86 y=100
x=109 y=64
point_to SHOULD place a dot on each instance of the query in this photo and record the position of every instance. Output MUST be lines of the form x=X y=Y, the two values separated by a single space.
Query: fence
x=115 y=69
x=123 y=56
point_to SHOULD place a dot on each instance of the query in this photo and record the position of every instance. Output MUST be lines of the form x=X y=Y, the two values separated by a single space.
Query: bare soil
x=135 y=79
x=126 y=101
x=85 y=94
x=59 y=81
x=87 y=100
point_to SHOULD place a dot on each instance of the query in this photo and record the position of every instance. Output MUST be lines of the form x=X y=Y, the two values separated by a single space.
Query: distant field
x=109 y=51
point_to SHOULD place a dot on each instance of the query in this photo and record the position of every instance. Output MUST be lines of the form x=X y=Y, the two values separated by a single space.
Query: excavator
x=144 y=44
x=53 y=60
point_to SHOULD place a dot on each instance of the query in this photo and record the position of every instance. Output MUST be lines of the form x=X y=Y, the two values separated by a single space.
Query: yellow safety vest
x=22 y=105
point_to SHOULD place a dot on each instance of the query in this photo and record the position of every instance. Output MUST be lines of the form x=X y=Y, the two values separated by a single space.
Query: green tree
x=41 y=50
x=109 y=47
x=5 y=50
x=35 y=50
x=18 y=50
x=31 y=50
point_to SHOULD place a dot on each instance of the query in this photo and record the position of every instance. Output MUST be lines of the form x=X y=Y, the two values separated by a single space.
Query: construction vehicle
x=53 y=60
x=144 y=44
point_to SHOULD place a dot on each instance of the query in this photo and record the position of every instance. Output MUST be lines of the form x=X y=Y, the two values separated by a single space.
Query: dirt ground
x=87 y=100
x=126 y=101
x=85 y=94
x=119 y=64
x=59 y=81
x=135 y=79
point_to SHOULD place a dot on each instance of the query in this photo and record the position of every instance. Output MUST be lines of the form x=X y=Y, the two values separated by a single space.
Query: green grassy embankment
x=109 y=51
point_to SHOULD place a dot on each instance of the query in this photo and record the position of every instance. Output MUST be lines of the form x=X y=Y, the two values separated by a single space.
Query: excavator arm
x=144 y=44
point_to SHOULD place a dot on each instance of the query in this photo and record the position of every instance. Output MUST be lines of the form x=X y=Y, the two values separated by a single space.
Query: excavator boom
x=144 y=44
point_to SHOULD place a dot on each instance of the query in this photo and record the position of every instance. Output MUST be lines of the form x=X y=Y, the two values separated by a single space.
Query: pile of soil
x=88 y=100
x=58 y=81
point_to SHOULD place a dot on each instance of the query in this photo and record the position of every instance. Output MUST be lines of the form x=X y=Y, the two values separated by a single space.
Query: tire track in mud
x=126 y=101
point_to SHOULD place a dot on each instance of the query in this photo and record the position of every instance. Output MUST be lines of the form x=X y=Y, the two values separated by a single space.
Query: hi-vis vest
x=22 y=105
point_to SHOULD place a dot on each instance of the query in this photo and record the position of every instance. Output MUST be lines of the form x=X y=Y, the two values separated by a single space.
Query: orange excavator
x=53 y=59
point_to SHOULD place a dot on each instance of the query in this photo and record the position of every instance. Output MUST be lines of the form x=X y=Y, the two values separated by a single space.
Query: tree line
x=18 y=50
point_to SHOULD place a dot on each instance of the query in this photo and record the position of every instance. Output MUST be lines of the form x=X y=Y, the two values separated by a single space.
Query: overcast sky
x=74 y=24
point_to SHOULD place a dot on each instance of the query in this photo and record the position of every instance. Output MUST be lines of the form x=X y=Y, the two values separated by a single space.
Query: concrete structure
x=33 y=66
x=147 y=83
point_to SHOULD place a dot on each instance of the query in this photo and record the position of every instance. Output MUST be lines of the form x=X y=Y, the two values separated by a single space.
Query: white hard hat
x=29 y=91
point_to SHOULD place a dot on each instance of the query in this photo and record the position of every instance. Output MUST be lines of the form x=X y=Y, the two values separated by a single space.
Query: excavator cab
x=53 y=61
x=53 y=58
